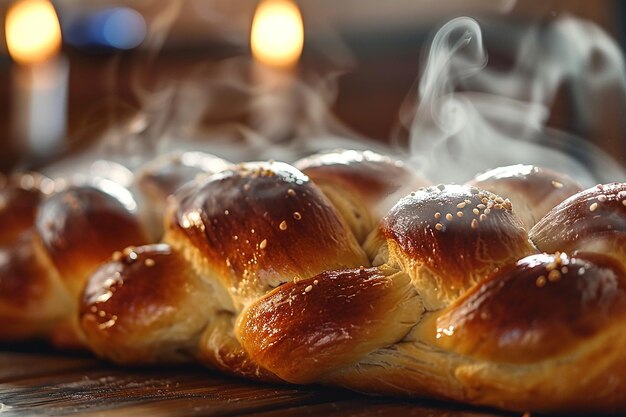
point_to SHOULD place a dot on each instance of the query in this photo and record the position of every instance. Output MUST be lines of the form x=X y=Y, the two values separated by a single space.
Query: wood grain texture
x=52 y=384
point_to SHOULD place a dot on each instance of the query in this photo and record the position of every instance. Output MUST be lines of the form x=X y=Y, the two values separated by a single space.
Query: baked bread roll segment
x=257 y=226
x=307 y=329
x=555 y=350
x=32 y=298
x=363 y=186
x=447 y=238
x=53 y=236
x=593 y=220
x=80 y=227
x=20 y=195
x=533 y=190
x=241 y=233
x=521 y=340
x=132 y=319
x=490 y=321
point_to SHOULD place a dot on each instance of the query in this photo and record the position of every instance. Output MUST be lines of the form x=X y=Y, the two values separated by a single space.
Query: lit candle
x=276 y=40
x=40 y=78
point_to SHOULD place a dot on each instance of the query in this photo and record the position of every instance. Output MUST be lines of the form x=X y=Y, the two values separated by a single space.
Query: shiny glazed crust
x=263 y=274
x=593 y=220
x=304 y=330
x=363 y=185
x=459 y=304
x=260 y=225
x=130 y=319
x=554 y=350
x=533 y=190
x=163 y=176
x=447 y=238
x=20 y=196
x=81 y=227
x=33 y=300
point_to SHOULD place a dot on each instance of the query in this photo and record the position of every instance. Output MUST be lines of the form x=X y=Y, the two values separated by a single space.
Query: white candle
x=40 y=76
x=40 y=104
x=276 y=40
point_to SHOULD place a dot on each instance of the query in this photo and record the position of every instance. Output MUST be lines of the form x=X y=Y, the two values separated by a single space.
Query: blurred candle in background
x=39 y=76
x=276 y=41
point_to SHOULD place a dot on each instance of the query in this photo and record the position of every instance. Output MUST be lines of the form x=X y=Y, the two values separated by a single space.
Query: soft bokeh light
x=33 y=32
x=277 y=35
x=124 y=28
x=117 y=27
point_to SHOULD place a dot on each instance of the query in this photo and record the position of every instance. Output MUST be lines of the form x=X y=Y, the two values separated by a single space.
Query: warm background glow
x=33 y=32
x=277 y=34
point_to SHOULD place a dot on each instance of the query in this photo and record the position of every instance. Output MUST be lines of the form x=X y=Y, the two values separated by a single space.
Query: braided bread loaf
x=322 y=273
x=52 y=237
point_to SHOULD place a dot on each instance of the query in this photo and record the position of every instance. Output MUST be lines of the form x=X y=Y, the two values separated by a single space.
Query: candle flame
x=33 y=32
x=277 y=34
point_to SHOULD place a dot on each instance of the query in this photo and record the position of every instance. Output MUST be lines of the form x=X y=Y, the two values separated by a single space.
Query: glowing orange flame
x=33 y=32
x=277 y=34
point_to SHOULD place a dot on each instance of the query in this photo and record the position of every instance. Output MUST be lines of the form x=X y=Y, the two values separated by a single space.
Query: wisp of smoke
x=471 y=118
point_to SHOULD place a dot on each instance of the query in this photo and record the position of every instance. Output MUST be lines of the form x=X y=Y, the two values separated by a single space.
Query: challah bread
x=32 y=298
x=244 y=231
x=158 y=179
x=135 y=320
x=593 y=220
x=20 y=195
x=459 y=304
x=259 y=225
x=75 y=230
x=54 y=236
x=533 y=190
x=539 y=333
x=520 y=340
x=362 y=185
x=447 y=238
x=266 y=274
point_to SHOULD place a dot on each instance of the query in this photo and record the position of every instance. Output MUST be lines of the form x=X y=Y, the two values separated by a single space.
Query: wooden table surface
x=52 y=384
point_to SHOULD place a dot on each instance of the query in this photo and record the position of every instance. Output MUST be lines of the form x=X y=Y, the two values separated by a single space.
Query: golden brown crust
x=593 y=220
x=306 y=329
x=566 y=302
x=161 y=177
x=589 y=380
x=145 y=305
x=533 y=190
x=548 y=348
x=219 y=349
x=20 y=195
x=81 y=227
x=450 y=237
x=363 y=185
x=260 y=279
x=259 y=225
x=32 y=299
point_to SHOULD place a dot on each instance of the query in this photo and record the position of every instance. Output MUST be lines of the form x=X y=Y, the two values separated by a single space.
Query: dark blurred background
x=117 y=54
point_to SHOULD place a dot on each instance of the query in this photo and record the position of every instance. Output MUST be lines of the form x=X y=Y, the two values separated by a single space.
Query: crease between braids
x=347 y=269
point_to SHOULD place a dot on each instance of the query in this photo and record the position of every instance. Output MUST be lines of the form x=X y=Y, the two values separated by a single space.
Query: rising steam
x=466 y=117
x=470 y=118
